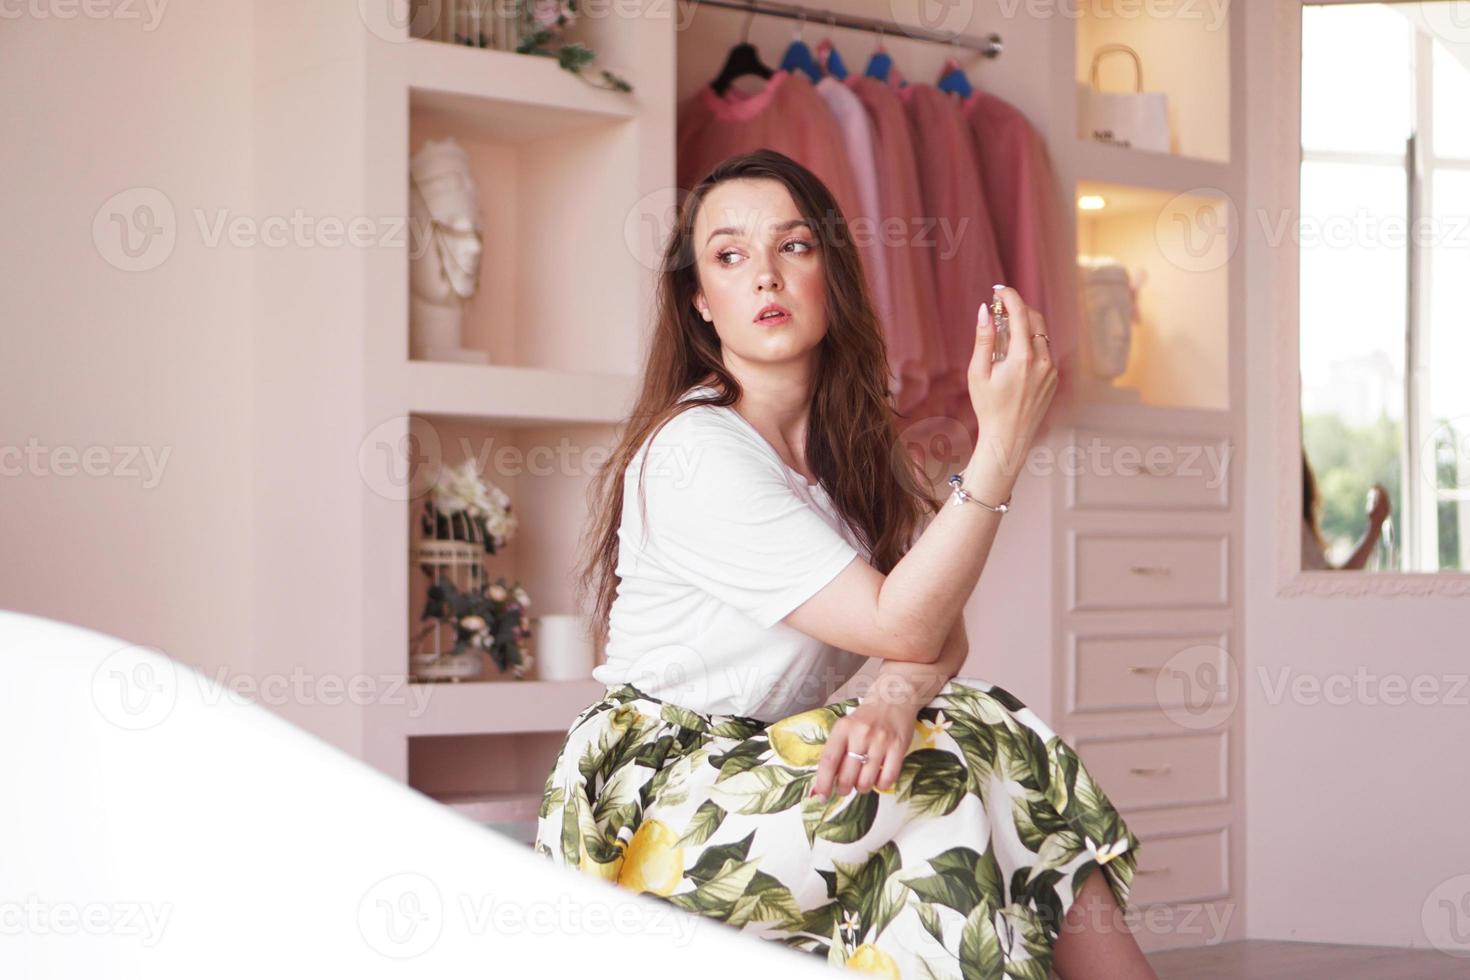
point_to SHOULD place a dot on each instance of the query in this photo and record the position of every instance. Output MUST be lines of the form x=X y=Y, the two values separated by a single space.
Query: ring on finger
x=852 y=765
x=873 y=771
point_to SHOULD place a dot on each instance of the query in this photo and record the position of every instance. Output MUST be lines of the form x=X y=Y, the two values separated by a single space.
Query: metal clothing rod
x=990 y=46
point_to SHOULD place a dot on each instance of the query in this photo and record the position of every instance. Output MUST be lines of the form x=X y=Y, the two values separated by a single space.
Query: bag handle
x=1114 y=49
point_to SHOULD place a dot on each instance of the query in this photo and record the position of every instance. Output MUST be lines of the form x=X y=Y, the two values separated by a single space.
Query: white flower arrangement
x=461 y=490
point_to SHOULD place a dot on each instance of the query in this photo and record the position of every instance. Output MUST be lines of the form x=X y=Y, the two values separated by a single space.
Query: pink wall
x=107 y=363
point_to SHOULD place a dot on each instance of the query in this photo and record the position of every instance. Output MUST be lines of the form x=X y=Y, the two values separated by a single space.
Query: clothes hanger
x=743 y=59
x=880 y=63
x=799 y=57
x=827 y=55
x=952 y=77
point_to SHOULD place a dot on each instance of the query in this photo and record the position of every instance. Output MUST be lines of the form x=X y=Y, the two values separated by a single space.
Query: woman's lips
x=775 y=319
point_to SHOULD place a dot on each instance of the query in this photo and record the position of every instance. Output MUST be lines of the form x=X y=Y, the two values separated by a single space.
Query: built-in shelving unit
x=567 y=175
x=556 y=164
x=1148 y=529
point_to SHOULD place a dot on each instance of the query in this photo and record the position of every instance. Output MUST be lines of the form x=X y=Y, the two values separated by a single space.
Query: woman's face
x=753 y=248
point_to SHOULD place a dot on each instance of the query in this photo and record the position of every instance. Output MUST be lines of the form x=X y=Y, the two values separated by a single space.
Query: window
x=1385 y=278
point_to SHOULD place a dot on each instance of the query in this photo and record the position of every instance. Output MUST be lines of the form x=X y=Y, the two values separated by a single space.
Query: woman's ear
x=701 y=306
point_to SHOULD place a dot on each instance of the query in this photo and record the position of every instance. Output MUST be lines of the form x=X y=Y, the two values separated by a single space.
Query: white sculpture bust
x=445 y=250
x=1109 y=306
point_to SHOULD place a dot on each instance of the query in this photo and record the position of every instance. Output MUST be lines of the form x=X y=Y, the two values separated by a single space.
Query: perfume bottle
x=1002 y=322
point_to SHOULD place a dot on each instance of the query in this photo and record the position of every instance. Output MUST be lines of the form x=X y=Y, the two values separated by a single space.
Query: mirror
x=1385 y=286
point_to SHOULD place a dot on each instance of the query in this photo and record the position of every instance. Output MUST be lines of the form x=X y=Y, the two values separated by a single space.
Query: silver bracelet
x=961 y=495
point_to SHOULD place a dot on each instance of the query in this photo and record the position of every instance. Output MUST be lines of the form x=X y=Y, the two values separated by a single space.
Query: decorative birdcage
x=450 y=547
x=466 y=617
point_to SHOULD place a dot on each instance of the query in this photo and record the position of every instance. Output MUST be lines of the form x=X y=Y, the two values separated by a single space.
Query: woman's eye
x=723 y=254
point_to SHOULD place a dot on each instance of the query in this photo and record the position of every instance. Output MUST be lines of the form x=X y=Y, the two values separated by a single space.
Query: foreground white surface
x=155 y=826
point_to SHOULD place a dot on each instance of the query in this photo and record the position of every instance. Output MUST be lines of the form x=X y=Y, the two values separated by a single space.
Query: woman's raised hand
x=1010 y=396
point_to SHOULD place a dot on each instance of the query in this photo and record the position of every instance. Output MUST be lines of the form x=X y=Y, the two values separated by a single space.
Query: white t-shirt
x=736 y=540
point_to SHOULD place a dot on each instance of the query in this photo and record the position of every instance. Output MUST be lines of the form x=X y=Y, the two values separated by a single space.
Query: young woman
x=755 y=538
x=1314 y=545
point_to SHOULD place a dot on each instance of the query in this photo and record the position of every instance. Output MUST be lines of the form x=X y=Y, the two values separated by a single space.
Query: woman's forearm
x=917 y=683
x=930 y=585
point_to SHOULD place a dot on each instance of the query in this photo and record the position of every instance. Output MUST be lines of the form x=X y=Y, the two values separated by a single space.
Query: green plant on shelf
x=544 y=22
x=491 y=618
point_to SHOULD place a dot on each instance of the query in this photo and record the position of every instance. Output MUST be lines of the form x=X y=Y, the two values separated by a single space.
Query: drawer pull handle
x=1144 y=469
x=1136 y=669
x=1152 y=871
x=1149 y=569
x=1149 y=770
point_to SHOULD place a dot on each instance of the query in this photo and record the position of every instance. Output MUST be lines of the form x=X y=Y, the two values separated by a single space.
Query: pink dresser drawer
x=1140 y=671
x=1140 y=772
x=1182 y=866
x=1149 y=471
x=1142 y=571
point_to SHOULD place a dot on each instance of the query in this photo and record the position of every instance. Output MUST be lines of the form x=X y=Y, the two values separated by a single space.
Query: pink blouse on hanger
x=909 y=376
x=962 y=249
x=786 y=115
x=1026 y=202
x=910 y=271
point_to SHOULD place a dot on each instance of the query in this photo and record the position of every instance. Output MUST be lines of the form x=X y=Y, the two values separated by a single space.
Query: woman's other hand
x=883 y=730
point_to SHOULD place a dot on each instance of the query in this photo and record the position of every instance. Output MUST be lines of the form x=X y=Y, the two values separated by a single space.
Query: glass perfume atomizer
x=1002 y=323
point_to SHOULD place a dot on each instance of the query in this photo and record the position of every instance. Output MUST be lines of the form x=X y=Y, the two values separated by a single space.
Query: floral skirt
x=965 y=868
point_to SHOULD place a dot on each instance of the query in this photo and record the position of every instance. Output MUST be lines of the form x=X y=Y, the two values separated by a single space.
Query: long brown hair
x=852 y=443
x=1311 y=502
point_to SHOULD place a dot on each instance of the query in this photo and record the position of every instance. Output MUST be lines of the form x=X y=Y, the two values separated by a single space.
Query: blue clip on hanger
x=880 y=63
x=827 y=54
x=953 y=79
x=799 y=57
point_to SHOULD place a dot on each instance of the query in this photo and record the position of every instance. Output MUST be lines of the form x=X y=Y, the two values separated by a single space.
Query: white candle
x=563 y=651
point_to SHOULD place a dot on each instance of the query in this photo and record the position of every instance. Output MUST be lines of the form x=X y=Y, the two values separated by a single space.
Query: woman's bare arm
x=916 y=684
x=906 y=614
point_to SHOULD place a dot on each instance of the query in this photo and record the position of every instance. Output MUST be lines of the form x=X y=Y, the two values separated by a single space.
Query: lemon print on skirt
x=800 y=739
x=965 y=867
x=654 y=861
x=868 y=958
